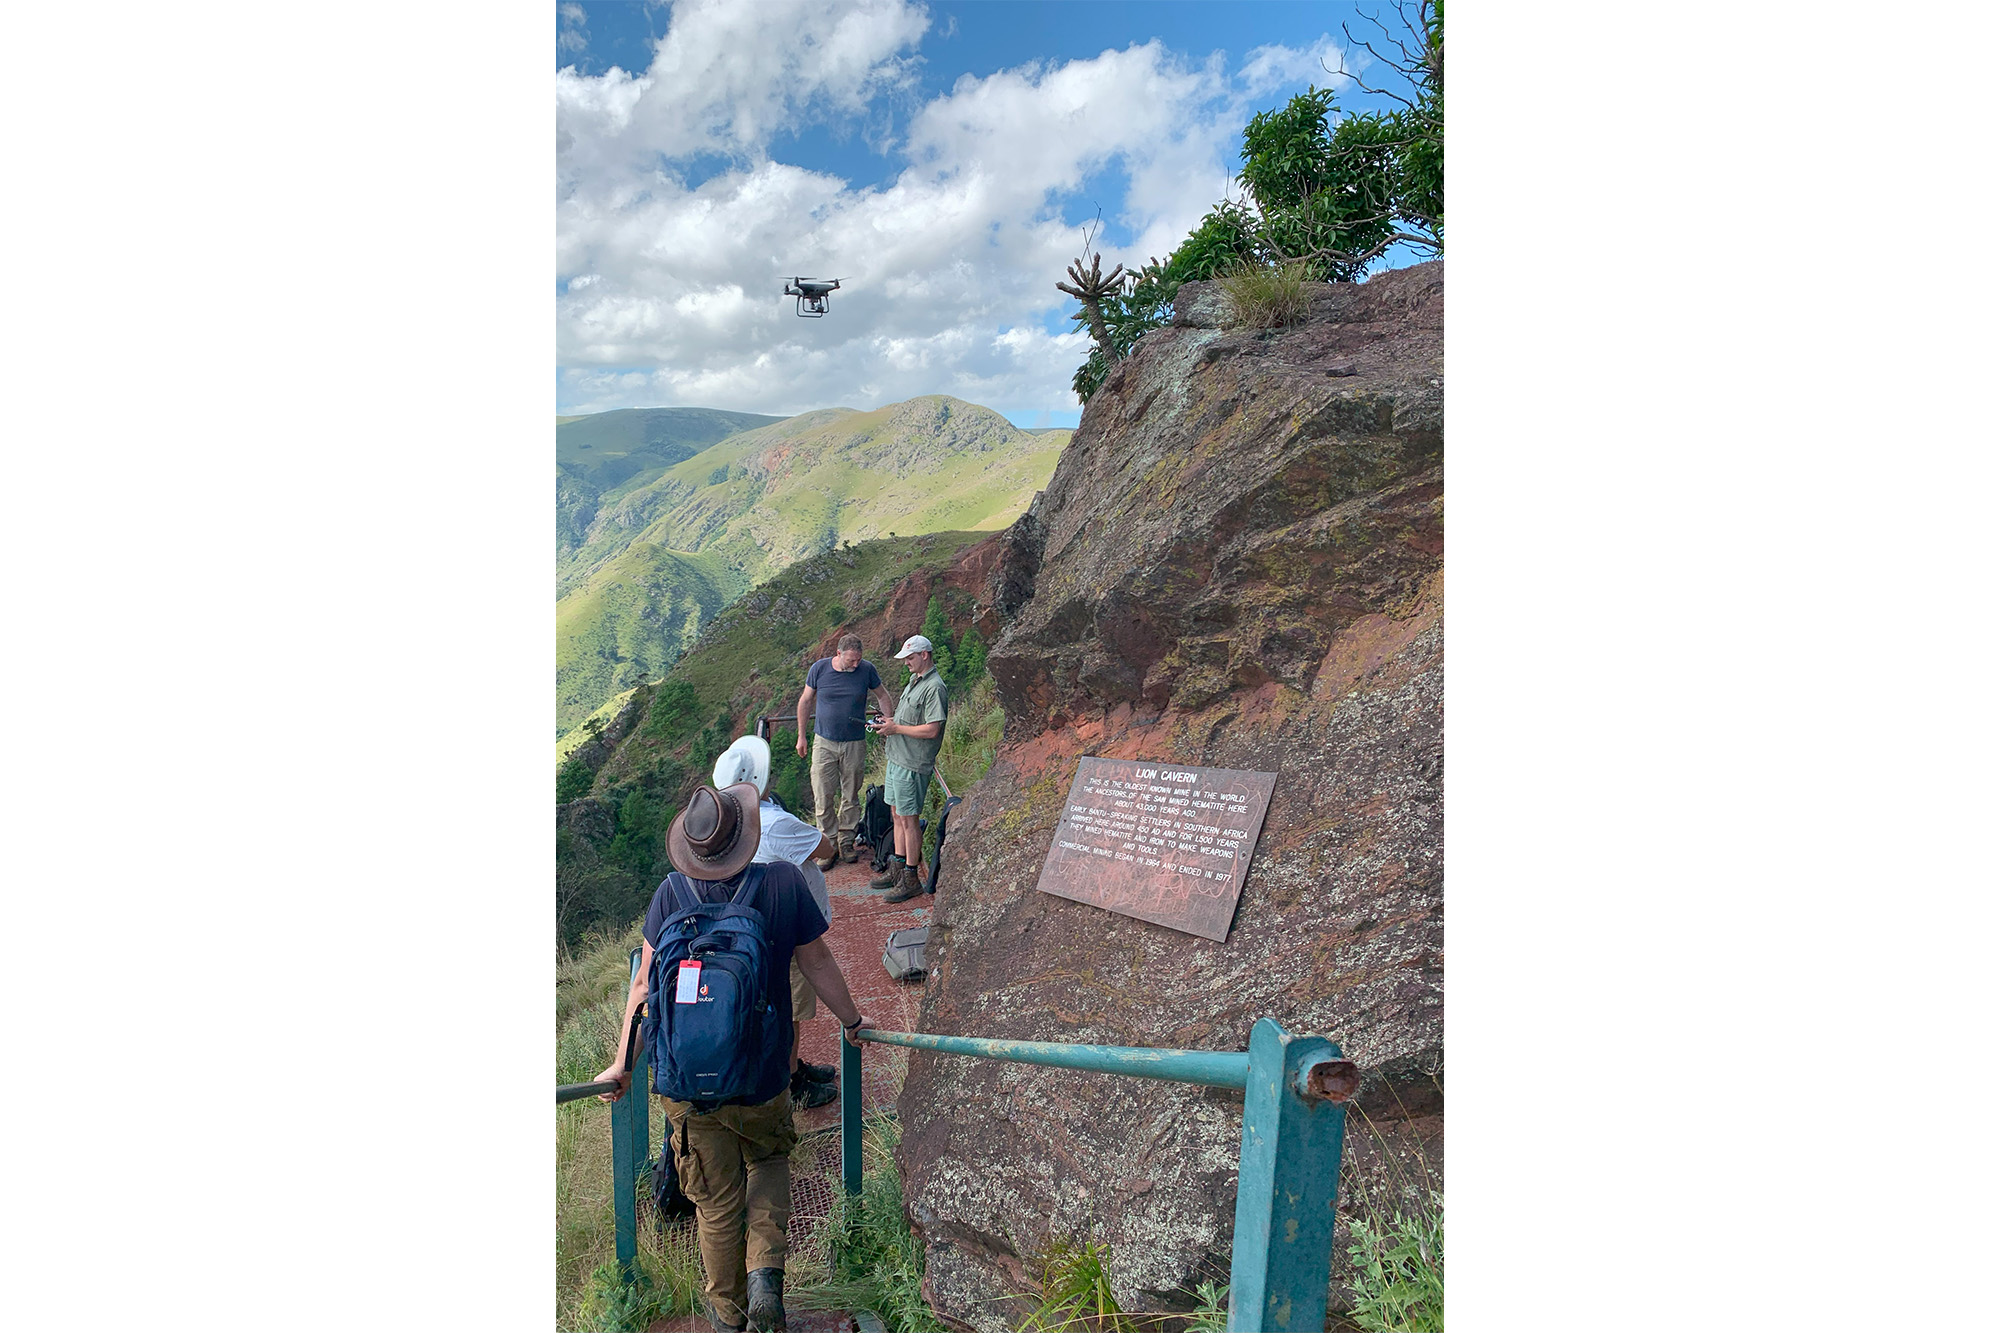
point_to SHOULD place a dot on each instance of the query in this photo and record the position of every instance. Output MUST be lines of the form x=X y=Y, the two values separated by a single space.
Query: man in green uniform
x=914 y=738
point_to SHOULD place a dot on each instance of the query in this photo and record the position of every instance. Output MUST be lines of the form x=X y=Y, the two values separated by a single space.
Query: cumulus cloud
x=670 y=282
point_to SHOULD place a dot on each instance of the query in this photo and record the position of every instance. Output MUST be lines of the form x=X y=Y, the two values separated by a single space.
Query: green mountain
x=631 y=620
x=752 y=504
x=603 y=456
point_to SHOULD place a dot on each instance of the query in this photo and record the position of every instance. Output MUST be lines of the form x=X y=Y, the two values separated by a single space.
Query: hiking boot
x=847 y=853
x=767 y=1300
x=831 y=860
x=817 y=1073
x=715 y=1322
x=888 y=878
x=911 y=887
x=808 y=1095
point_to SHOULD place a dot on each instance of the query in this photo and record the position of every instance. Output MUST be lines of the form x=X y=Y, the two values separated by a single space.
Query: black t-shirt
x=791 y=918
x=841 y=706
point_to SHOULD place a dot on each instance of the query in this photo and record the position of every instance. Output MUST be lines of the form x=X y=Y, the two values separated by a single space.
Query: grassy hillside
x=752 y=504
x=602 y=456
x=630 y=621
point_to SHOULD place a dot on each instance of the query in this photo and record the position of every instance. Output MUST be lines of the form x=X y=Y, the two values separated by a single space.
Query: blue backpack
x=709 y=1023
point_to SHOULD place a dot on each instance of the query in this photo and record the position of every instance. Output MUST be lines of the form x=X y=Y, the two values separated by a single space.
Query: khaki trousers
x=837 y=770
x=735 y=1163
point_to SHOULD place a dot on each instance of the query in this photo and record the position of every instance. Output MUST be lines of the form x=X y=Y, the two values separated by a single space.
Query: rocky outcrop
x=1238 y=563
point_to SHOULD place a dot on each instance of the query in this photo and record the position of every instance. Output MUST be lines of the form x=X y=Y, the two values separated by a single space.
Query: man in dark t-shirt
x=735 y=1161
x=837 y=690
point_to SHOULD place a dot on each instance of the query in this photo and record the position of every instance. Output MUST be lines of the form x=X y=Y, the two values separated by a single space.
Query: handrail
x=1294 y=1118
x=629 y=1132
x=1214 y=1069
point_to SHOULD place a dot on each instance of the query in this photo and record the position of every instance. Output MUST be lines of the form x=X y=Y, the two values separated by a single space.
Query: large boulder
x=1237 y=564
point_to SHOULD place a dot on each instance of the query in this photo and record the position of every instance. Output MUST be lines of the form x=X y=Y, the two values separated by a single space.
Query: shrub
x=672 y=711
x=1268 y=297
x=573 y=779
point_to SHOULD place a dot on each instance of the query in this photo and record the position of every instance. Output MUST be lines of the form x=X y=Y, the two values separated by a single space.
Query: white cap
x=916 y=643
x=748 y=760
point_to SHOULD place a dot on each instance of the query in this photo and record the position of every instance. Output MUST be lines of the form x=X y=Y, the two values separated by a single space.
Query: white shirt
x=786 y=837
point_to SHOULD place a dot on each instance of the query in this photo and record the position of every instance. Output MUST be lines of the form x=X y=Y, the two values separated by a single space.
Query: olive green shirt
x=923 y=701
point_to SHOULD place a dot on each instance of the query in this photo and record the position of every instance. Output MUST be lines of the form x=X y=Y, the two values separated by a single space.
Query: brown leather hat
x=715 y=837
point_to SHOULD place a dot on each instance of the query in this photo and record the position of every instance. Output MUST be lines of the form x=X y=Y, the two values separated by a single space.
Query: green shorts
x=905 y=790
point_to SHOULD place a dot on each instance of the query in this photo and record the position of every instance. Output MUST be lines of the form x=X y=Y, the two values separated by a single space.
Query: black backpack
x=875 y=830
x=670 y=1204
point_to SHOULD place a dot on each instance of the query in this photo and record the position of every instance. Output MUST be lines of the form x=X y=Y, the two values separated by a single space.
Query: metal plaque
x=1163 y=842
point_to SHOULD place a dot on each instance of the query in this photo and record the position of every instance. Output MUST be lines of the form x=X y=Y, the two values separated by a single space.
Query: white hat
x=916 y=643
x=748 y=760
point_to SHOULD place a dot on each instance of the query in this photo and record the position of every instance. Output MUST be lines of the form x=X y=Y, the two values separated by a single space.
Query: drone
x=813 y=295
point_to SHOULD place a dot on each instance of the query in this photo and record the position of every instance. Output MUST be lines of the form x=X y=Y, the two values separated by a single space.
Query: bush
x=573 y=779
x=672 y=711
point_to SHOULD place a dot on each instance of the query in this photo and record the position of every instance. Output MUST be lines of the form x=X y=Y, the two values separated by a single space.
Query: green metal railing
x=1294 y=1116
x=629 y=1133
x=1294 y=1090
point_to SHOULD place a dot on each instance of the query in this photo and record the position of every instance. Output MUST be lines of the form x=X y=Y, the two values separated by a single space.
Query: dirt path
x=861 y=925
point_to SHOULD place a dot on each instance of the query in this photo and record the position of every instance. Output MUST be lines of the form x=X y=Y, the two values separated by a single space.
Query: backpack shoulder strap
x=752 y=877
x=680 y=894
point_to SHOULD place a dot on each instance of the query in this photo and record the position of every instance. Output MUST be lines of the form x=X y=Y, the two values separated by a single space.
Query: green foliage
x=835 y=614
x=573 y=779
x=719 y=476
x=617 y=1305
x=714 y=739
x=673 y=710
x=1332 y=195
x=640 y=842
x=939 y=633
x=1399 y=1287
x=791 y=773
x=1211 y=1311
x=878 y=1264
x=968 y=660
x=1076 y=1291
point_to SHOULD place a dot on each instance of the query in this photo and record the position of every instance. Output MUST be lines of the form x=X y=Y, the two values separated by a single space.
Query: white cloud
x=673 y=291
x=1268 y=68
x=573 y=35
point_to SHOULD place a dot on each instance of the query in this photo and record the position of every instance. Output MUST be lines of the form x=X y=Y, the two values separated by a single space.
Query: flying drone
x=813 y=295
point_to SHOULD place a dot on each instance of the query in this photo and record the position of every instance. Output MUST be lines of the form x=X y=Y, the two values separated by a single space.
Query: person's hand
x=801 y=747
x=622 y=1077
x=860 y=1022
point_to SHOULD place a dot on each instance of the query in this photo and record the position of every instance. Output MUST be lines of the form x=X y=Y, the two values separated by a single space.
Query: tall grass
x=1268 y=296
x=878 y=1264
x=1395 y=1233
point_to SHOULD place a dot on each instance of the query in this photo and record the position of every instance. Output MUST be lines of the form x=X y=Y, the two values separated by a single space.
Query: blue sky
x=943 y=157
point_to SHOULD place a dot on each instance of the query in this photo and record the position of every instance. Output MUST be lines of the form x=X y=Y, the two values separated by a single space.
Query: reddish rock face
x=1237 y=564
x=972 y=574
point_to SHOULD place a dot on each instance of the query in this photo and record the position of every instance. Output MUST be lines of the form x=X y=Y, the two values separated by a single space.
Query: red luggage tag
x=686 y=985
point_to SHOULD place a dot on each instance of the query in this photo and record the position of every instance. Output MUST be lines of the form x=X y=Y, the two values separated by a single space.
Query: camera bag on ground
x=708 y=1018
x=904 y=956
